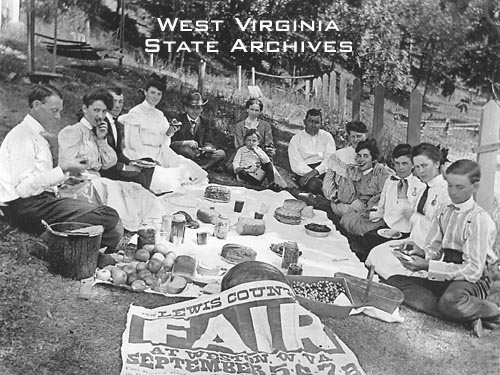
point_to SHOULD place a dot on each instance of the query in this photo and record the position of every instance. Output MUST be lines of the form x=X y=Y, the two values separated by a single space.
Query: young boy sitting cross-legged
x=457 y=256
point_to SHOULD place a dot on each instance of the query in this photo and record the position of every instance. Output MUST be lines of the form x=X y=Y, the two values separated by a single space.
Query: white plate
x=216 y=200
x=143 y=163
x=384 y=233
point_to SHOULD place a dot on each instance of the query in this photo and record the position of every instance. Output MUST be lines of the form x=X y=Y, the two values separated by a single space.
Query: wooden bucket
x=73 y=253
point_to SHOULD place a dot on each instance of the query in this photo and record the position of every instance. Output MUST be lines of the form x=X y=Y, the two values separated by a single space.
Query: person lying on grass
x=457 y=257
x=251 y=164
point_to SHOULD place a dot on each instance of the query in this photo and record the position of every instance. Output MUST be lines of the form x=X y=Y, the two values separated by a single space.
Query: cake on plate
x=294 y=204
x=236 y=253
x=217 y=193
x=287 y=216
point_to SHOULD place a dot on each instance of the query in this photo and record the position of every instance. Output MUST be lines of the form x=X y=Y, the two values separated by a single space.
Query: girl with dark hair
x=360 y=189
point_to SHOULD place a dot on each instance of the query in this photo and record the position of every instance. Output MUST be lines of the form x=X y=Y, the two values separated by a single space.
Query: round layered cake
x=287 y=216
x=217 y=193
x=236 y=253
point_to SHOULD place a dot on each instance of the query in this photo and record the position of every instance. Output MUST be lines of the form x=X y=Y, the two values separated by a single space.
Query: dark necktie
x=423 y=199
x=402 y=186
x=453 y=207
x=110 y=137
x=193 y=125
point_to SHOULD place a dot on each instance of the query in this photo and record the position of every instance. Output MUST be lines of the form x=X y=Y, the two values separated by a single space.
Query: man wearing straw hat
x=28 y=180
x=194 y=139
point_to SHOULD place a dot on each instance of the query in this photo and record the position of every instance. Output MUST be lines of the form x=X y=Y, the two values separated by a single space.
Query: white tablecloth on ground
x=320 y=256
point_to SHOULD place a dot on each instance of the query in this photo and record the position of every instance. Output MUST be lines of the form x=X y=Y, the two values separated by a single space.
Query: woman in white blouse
x=427 y=162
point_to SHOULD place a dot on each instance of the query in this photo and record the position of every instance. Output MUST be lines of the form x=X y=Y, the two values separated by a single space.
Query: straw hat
x=194 y=98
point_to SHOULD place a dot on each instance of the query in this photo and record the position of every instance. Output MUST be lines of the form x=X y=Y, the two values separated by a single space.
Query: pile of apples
x=150 y=269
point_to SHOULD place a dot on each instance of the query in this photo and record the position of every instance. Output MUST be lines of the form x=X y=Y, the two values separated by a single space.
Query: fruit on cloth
x=139 y=286
x=143 y=274
x=176 y=285
x=141 y=266
x=142 y=255
x=149 y=280
x=253 y=227
x=237 y=253
x=154 y=265
x=103 y=274
x=131 y=278
x=251 y=271
x=161 y=248
x=322 y=290
x=129 y=268
x=158 y=256
x=169 y=260
x=149 y=248
x=119 y=276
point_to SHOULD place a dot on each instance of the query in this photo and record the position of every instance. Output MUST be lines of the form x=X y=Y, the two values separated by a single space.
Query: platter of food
x=317 y=230
x=392 y=234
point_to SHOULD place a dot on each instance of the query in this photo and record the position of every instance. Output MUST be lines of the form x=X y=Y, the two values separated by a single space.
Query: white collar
x=367 y=171
x=86 y=123
x=464 y=206
x=436 y=180
x=192 y=119
x=33 y=123
x=148 y=106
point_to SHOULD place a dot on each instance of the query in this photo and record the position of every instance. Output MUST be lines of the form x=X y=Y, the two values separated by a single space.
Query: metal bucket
x=73 y=253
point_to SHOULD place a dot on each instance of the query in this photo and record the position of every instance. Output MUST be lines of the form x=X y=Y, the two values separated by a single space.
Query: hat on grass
x=194 y=98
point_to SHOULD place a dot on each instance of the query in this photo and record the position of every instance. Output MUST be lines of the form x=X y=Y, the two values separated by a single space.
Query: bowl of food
x=317 y=230
x=392 y=234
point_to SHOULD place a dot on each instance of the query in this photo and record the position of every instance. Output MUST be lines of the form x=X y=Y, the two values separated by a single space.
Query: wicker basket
x=381 y=296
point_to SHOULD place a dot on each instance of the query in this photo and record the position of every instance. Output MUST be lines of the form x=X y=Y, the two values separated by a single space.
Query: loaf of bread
x=208 y=215
x=217 y=193
x=237 y=253
x=250 y=226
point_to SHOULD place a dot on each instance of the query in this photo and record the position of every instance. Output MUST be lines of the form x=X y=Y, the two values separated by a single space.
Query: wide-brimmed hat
x=194 y=98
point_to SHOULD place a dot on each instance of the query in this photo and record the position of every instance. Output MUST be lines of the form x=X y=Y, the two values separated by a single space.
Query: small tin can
x=166 y=225
x=221 y=227
x=294 y=269
x=178 y=229
x=290 y=254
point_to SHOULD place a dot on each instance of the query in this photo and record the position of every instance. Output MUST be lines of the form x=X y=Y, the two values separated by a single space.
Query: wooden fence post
x=307 y=90
x=333 y=89
x=378 y=114
x=356 y=98
x=201 y=76
x=238 y=69
x=253 y=76
x=324 y=92
x=319 y=87
x=414 y=118
x=342 y=96
x=487 y=154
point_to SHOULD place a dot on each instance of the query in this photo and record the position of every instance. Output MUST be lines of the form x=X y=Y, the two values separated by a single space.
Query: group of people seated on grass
x=112 y=167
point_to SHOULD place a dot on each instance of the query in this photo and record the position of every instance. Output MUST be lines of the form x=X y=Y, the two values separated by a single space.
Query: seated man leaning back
x=307 y=149
x=28 y=180
x=194 y=140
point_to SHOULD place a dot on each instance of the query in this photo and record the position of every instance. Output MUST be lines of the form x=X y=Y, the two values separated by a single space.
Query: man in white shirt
x=457 y=256
x=307 y=150
x=28 y=180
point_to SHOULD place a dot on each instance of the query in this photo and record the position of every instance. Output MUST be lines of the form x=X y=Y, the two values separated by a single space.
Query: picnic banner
x=254 y=328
